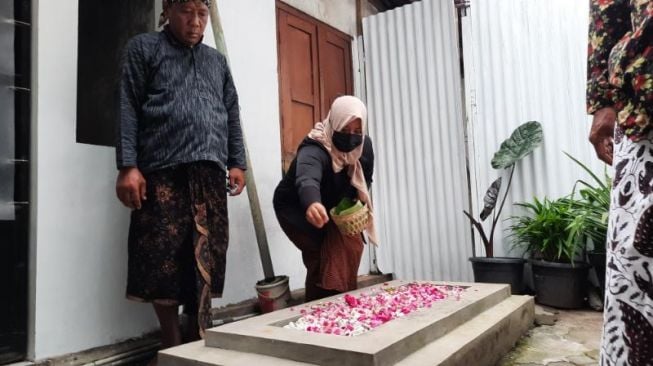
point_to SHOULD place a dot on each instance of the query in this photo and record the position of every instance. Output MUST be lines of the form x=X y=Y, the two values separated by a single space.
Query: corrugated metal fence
x=416 y=113
x=524 y=60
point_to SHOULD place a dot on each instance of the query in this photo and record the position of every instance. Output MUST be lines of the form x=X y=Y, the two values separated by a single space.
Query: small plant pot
x=560 y=285
x=500 y=270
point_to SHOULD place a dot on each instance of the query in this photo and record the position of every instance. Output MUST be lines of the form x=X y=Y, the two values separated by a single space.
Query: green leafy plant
x=521 y=143
x=560 y=230
x=548 y=231
x=592 y=207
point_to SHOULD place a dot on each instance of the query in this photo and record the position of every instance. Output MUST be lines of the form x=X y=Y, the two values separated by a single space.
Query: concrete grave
x=453 y=331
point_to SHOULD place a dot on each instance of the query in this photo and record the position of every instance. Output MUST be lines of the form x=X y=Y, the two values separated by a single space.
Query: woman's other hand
x=317 y=215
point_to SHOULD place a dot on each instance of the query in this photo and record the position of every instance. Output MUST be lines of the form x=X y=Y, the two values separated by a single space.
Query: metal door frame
x=15 y=234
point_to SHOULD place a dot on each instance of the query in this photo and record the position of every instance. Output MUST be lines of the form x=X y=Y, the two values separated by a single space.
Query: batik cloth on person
x=628 y=326
x=178 y=240
x=620 y=62
x=620 y=75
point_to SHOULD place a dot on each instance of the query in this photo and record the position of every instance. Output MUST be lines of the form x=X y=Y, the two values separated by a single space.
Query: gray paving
x=572 y=340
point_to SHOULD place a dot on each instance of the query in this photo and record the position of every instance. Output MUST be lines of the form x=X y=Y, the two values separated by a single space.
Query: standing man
x=178 y=135
x=620 y=96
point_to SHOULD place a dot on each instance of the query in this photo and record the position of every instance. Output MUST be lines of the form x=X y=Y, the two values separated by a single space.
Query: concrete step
x=197 y=354
x=482 y=340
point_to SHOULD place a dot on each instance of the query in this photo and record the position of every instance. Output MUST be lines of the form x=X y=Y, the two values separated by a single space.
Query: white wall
x=80 y=227
x=339 y=14
x=80 y=230
x=251 y=43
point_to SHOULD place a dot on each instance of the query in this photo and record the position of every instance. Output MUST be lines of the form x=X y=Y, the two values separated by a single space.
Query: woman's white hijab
x=344 y=110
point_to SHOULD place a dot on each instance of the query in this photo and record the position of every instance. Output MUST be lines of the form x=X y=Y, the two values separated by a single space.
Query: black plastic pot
x=598 y=261
x=560 y=285
x=500 y=270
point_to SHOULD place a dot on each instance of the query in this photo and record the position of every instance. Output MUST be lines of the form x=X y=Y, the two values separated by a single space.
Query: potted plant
x=593 y=208
x=553 y=233
x=490 y=269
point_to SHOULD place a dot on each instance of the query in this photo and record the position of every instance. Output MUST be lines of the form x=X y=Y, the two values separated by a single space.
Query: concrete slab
x=480 y=342
x=383 y=346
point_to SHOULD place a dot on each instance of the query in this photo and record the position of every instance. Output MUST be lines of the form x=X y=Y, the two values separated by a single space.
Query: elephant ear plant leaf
x=521 y=143
x=490 y=199
x=526 y=138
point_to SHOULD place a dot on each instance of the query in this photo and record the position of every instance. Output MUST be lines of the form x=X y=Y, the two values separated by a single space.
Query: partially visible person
x=334 y=161
x=178 y=135
x=620 y=96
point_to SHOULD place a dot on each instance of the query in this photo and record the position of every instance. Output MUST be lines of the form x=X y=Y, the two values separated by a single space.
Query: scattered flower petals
x=353 y=315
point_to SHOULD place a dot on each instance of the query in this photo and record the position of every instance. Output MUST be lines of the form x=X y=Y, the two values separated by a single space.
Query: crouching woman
x=335 y=161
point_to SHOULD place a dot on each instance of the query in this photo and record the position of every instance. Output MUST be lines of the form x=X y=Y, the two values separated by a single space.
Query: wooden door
x=315 y=67
x=335 y=68
x=298 y=79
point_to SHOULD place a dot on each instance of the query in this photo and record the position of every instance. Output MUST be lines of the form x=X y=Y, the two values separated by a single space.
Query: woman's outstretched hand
x=317 y=215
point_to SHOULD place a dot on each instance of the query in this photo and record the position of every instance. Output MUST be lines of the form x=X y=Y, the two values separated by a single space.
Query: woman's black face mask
x=346 y=142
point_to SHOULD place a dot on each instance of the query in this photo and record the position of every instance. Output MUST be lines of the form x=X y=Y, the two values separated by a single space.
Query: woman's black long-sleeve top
x=311 y=178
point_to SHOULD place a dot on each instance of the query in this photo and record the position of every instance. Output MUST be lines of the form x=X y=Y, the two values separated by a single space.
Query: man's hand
x=130 y=187
x=602 y=133
x=237 y=181
x=317 y=215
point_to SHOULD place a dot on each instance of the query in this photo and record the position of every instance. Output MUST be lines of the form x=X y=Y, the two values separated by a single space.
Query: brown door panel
x=315 y=67
x=335 y=68
x=300 y=52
